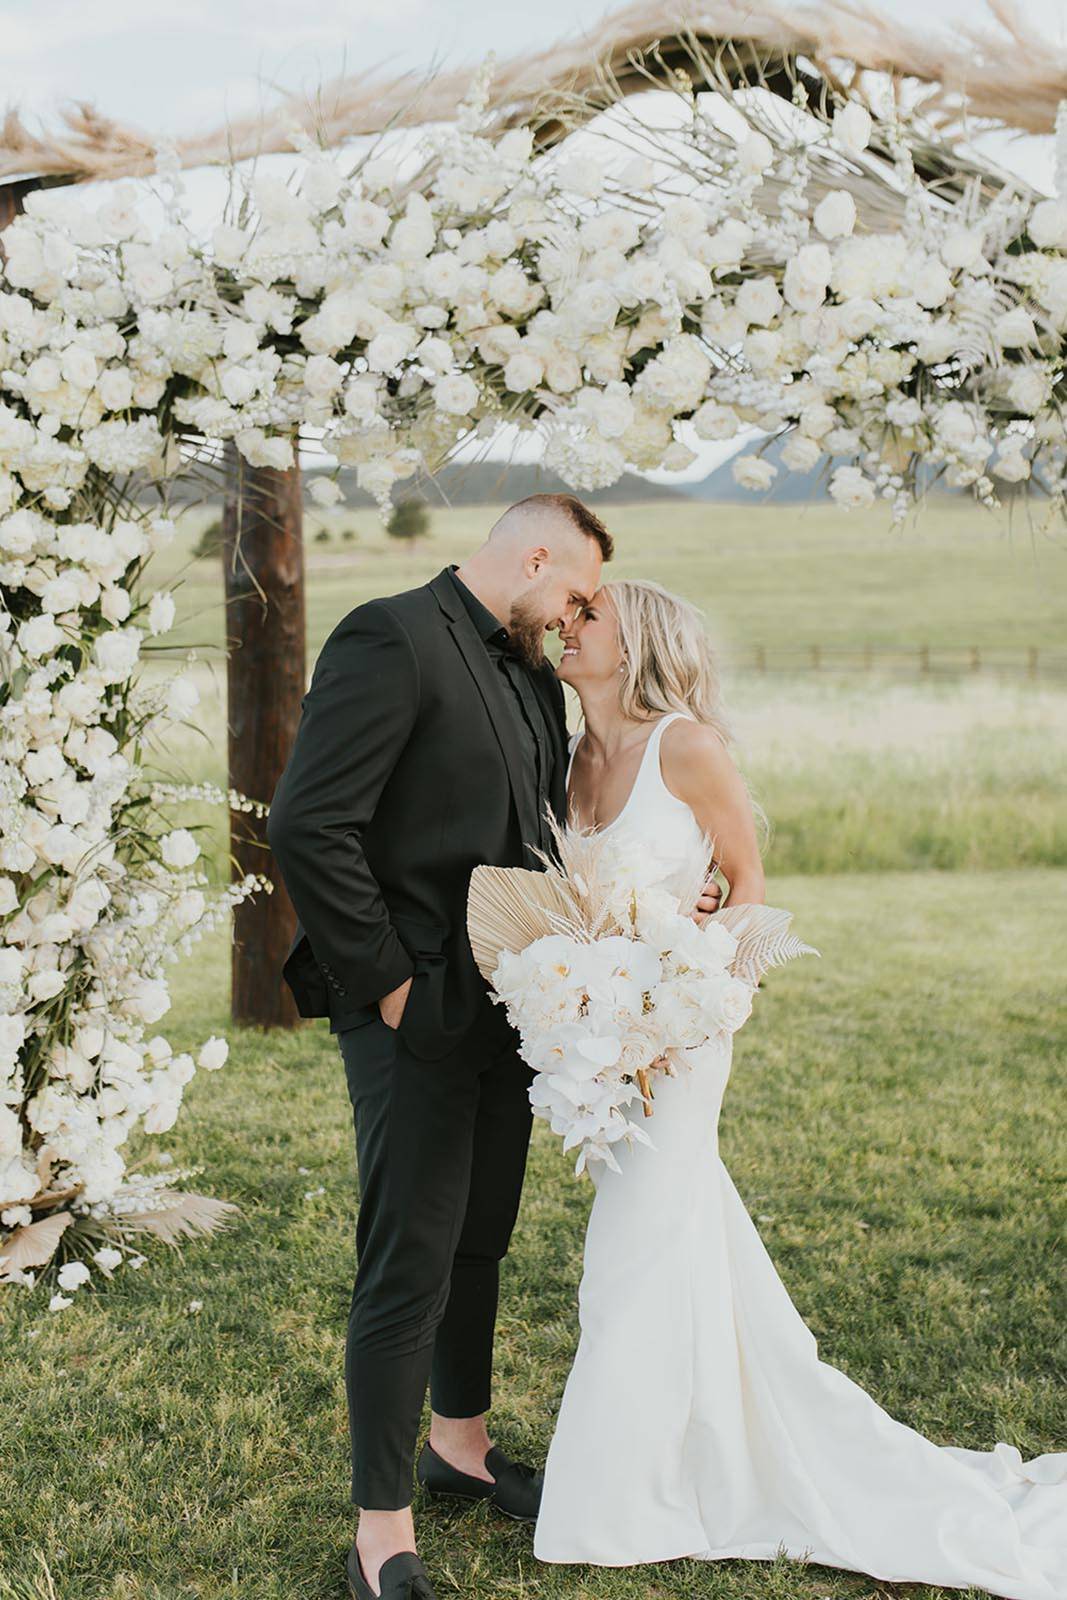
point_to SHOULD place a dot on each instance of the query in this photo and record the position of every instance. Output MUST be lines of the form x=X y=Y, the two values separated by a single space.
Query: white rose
x=39 y=636
x=10 y=1134
x=906 y=413
x=78 y=367
x=715 y=421
x=753 y=472
x=725 y=247
x=962 y=247
x=238 y=385
x=807 y=275
x=1015 y=328
x=563 y=370
x=116 y=653
x=800 y=454
x=365 y=222
x=213 y=1053
x=852 y=127
x=178 y=848
x=115 y=388
x=1029 y=390
x=325 y=491
x=523 y=372
x=388 y=348
x=684 y=217
x=763 y=348
x=758 y=301
x=72 y=1274
x=592 y=308
x=1048 y=225
x=817 y=419
x=323 y=376
x=229 y=244
x=456 y=395
x=851 y=489
x=1011 y=464
x=755 y=153
x=261 y=450
x=932 y=285
x=512 y=292
x=835 y=215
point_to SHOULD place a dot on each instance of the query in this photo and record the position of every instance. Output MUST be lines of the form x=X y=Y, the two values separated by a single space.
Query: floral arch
x=790 y=248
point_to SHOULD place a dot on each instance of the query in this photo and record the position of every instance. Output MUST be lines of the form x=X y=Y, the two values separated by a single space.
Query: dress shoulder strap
x=572 y=745
x=650 y=772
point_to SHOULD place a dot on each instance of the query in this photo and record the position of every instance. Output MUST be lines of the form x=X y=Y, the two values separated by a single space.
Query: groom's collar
x=489 y=626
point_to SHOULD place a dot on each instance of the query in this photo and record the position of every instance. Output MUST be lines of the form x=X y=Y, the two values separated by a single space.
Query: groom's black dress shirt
x=529 y=717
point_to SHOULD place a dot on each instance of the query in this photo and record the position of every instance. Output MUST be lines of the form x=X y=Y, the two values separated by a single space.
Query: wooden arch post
x=263 y=579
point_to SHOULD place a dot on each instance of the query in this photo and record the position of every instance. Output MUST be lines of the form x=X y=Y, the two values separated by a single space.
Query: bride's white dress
x=698 y=1420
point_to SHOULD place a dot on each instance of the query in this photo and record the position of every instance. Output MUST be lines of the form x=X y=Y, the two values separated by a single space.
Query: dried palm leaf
x=509 y=907
x=32 y=1245
x=184 y=1215
x=1009 y=73
x=763 y=939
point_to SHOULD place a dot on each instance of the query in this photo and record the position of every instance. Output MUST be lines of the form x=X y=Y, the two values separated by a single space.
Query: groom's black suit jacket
x=406 y=772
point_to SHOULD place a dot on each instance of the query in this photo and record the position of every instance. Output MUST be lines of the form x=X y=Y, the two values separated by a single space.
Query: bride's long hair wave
x=668 y=662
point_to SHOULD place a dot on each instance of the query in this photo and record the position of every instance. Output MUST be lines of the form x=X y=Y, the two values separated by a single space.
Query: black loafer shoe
x=516 y=1490
x=403 y=1577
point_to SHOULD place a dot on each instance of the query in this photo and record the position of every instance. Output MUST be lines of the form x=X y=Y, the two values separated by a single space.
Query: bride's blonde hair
x=668 y=663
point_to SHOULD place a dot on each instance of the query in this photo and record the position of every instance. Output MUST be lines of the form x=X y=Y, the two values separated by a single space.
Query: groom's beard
x=526 y=633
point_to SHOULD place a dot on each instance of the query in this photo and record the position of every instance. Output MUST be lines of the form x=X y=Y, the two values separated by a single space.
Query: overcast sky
x=185 y=64
x=176 y=66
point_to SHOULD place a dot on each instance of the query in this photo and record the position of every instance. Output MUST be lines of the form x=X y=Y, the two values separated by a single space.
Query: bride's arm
x=699 y=769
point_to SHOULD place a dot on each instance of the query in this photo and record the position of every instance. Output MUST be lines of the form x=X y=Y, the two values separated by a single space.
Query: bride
x=697 y=1419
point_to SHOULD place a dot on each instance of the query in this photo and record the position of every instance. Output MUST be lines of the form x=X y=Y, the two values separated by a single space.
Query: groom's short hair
x=585 y=520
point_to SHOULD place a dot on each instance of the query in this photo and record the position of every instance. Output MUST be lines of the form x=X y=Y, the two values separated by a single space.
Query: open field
x=791 y=575
x=892 y=1125
x=857 y=771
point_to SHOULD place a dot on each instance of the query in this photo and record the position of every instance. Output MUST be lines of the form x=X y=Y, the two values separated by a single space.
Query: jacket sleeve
x=355 y=720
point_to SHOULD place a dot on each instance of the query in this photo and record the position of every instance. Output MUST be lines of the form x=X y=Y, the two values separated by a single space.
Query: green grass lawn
x=892 y=1123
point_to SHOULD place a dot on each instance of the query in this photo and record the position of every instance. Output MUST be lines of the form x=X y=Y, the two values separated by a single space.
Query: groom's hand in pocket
x=391 y=1005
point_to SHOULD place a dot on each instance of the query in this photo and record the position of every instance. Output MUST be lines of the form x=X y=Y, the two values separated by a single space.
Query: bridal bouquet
x=608 y=979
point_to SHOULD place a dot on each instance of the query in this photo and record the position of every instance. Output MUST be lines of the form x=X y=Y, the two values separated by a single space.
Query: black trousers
x=441 y=1152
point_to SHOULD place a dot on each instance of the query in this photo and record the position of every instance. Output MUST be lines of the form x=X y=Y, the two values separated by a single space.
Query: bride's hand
x=708 y=902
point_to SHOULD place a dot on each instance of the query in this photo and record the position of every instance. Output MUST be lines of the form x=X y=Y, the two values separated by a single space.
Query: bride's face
x=591 y=650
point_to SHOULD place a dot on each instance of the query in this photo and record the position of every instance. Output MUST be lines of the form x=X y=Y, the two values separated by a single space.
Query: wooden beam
x=263 y=577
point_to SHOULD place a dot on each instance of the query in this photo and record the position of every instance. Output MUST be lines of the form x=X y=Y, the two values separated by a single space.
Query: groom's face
x=559 y=587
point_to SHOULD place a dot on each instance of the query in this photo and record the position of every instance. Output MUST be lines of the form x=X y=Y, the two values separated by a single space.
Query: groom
x=431 y=739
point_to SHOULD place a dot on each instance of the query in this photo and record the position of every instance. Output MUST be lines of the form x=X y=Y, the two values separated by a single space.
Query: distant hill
x=479 y=483
x=788 y=488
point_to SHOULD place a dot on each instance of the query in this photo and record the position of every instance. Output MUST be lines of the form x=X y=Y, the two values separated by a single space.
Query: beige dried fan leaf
x=34 y=1244
x=509 y=907
x=186 y=1215
x=763 y=939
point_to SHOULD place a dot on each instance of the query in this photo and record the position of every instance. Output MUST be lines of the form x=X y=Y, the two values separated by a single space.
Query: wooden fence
x=923 y=660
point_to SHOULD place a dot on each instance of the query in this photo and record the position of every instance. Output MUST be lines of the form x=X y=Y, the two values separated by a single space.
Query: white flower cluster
x=98 y=888
x=594 y=1012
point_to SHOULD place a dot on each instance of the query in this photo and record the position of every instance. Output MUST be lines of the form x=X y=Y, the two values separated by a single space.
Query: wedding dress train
x=698 y=1420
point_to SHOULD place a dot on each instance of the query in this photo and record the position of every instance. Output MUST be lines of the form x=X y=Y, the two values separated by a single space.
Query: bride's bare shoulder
x=694 y=755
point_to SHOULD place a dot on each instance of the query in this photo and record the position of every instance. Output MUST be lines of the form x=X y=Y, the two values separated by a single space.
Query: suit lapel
x=546 y=686
x=494 y=693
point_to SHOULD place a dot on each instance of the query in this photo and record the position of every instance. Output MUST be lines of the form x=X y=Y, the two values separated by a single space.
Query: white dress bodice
x=653 y=821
